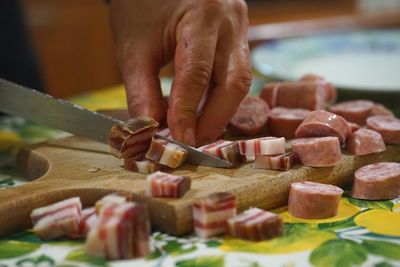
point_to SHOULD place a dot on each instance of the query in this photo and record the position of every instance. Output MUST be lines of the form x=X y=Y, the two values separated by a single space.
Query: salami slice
x=283 y=122
x=281 y=162
x=310 y=200
x=318 y=151
x=377 y=181
x=356 y=111
x=329 y=89
x=251 y=116
x=387 y=126
x=364 y=142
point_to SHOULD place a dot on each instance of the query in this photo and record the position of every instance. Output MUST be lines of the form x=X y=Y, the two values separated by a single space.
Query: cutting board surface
x=75 y=166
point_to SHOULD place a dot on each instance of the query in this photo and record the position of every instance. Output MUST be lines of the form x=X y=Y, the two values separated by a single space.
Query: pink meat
x=364 y=142
x=256 y=225
x=380 y=109
x=377 y=181
x=353 y=126
x=283 y=122
x=318 y=151
x=387 y=126
x=276 y=162
x=161 y=184
x=329 y=89
x=70 y=203
x=311 y=200
x=110 y=200
x=262 y=146
x=166 y=153
x=251 y=116
x=356 y=111
x=85 y=222
x=223 y=149
x=322 y=123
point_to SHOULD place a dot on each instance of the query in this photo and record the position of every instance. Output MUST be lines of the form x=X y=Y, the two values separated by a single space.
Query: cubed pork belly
x=86 y=221
x=111 y=199
x=262 y=146
x=223 y=149
x=275 y=162
x=166 y=153
x=161 y=184
x=70 y=203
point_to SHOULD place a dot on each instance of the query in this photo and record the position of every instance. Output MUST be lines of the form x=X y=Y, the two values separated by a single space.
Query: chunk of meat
x=322 y=123
x=380 y=109
x=143 y=166
x=310 y=200
x=70 y=203
x=318 y=151
x=329 y=89
x=86 y=221
x=223 y=149
x=275 y=162
x=356 y=111
x=353 y=126
x=110 y=200
x=262 y=146
x=210 y=213
x=387 y=126
x=251 y=116
x=256 y=225
x=283 y=122
x=364 y=142
x=166 y=153
x=132 y=137
x=377 y=181
x=161 y=184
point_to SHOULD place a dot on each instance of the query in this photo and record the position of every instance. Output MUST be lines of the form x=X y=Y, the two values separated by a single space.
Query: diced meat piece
x=322 y=123
x=210 y=214
x=364 y=142
x=86 y=221
x=119 y=114
x=353 y=126
x=304 y=95
x=166 y=132
x=256 y=225
x=377 y=181
x=74 y=203
x=132 y=137
x=330 y=90
x=275 y=162
x=379 y=109
x=251 y=116
x=310 y=200
x=356 y=111
x=387 y=126
x=110 y=200
x=262 y=146
x=166 y=153
x=60 y=223
x=144 y=166
x=317 y=151
x=161 y=184
x=122 y=232
x=223 y=149
x=283 y=122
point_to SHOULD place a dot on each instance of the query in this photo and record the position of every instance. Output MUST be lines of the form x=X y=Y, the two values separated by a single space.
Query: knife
x=60 y=114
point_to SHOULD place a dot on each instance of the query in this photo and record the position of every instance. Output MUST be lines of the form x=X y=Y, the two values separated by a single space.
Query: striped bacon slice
x=166 y=153
x=275 y=162
x=161 y=184
x=70 y=203
x=87 y=220
x=223 y=149
x=255 y=224
x=210 y=213
x=132 y=137
x=262 y=146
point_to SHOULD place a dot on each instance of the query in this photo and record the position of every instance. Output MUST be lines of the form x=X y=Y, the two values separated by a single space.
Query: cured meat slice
x=304 y=95
x=256 y=225
x=283 y=122
x=356 y=111
x=132 y=137
x=377 y=181
x=251 y=116
x=166 y=153
x=322 y=123
x=329 y=89
x=210 y=213
x=310 y=200
x=86 y=221
x=70 y=203
x=380 y=109
x=110 y=200
x=387 y=126
x=364 y=142
x=223 y=149
x=144 y=166
x=161 y=184
x=353 y=126
x=317 y=151
x=262 y=146
x=276 y=162
x=122 y=232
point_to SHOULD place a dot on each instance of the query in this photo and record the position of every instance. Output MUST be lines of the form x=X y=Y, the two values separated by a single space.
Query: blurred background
x=72 y=46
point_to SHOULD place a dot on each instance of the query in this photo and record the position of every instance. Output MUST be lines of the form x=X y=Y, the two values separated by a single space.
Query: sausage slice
x=356 y=111
x=317 y=151
x=364 y=142
x=283 y=122
x=387 y=126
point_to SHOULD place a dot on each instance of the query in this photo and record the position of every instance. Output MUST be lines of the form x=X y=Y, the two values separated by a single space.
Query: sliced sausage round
x=321 y=123
x=310 y=200
x=356 y=111
x=387 y=126
x=251 y=116
x=353 y=126
x=364 y=142
x=283 y=122
x=318 y=151
x=377 y=181
x=329 y=89
x=380 y=109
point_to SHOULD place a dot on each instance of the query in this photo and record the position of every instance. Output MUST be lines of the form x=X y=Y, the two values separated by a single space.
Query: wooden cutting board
x=75 y=166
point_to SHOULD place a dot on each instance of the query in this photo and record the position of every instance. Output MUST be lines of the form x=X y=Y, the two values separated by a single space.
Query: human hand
x=207 y=39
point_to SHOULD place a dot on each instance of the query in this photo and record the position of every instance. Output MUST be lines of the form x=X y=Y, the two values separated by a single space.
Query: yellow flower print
x=380 y=222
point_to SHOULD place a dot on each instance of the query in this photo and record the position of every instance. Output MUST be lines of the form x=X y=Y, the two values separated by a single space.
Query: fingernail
x=189 y=138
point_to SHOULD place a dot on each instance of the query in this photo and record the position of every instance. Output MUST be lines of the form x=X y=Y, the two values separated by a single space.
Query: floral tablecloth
x=364 y=233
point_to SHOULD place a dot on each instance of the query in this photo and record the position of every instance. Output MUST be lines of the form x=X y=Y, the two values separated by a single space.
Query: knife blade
x=47 y=110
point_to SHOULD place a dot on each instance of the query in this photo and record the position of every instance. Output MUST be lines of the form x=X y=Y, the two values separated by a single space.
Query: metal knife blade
x=60 y=114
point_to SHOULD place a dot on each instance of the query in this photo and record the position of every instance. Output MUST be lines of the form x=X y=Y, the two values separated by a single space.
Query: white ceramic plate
x=364 y=60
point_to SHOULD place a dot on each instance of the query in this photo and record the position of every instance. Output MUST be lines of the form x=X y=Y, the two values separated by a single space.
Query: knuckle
x=197 y=74
x=240 y=8
x=241 y=82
